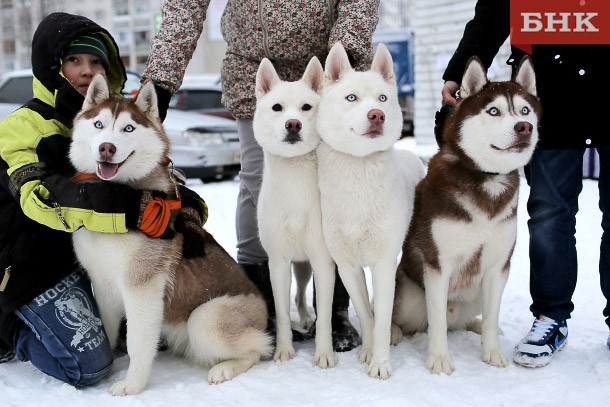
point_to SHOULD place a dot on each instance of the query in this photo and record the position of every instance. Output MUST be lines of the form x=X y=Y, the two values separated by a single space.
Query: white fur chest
x=289 y=203
x=488 y=240
x=107 y=256
x=365 y=209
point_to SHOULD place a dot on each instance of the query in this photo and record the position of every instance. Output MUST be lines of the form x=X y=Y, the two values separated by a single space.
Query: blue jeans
x=63 y=334
x=555 y=180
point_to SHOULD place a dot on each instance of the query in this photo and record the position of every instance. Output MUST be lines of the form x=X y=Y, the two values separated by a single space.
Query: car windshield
x=17 y=90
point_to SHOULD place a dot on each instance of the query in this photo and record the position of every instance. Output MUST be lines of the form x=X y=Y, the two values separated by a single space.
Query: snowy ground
x=578 y=376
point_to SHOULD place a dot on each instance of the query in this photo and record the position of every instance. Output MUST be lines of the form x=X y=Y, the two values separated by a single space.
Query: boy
x=48 y=313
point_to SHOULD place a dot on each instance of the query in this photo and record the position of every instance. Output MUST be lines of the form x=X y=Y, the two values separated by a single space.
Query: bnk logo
x=559 y=22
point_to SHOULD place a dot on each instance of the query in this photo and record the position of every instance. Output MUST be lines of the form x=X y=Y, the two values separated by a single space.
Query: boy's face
x=80 y=69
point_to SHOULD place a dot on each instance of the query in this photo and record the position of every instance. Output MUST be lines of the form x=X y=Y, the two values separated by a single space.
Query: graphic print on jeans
x=73 y=310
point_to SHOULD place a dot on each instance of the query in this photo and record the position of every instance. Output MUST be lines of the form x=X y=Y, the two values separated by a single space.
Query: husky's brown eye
x=98 y=124
x=525 y=110
x=351 y=98
x=276 y=107
x=306 y=107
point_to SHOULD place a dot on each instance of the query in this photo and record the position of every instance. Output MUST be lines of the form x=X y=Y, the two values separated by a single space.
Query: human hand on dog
x=189 y=224
x=163 y=98
x=156 y=215
x=448 y=93
x=190 y=221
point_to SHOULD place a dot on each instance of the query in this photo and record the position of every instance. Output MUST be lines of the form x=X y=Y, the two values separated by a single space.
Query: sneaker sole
x=528 y=364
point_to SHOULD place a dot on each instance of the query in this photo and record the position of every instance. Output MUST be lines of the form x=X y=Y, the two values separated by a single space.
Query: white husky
x=456 y=257
x=289 y=218
x=207 y=307
x=366 y=190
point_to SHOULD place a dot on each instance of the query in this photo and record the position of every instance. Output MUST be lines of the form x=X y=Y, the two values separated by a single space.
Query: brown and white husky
x=456 y=256
x=206 y=307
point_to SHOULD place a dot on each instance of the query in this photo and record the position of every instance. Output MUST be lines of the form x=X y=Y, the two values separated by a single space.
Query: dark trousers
x=555 y=179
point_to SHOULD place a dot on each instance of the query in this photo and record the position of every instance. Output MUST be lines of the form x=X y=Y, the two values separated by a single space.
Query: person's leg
x=249 y=248
x=604 y=206
x=555 y=179
x=63 y=334
x=250 y=253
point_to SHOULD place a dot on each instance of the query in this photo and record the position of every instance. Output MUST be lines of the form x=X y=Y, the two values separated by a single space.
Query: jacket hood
x=54 y=32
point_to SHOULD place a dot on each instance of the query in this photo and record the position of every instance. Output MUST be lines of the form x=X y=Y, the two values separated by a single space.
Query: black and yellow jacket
x=38 y=202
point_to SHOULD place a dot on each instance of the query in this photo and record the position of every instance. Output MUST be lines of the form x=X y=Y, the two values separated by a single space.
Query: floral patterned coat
x=288 y=32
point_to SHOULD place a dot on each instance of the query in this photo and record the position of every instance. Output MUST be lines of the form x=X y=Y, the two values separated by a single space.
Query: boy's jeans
x=64 y=336
x=555 y=179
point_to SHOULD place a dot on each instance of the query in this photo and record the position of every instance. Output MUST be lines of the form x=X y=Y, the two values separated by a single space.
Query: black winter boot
x=345 y=336
x=259 y=275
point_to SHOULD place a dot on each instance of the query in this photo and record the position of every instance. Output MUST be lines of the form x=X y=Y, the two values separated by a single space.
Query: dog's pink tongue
x=106 y=170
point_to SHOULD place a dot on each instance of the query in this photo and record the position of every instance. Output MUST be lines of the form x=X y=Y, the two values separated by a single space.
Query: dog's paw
x=284 y=354
x=228 y=369
x=365 y=355
x=395 y=335
x=380 y=369
x=495 y=357
x=307 y=322
x=440 y=364
x=127 y=387
x=324 y=360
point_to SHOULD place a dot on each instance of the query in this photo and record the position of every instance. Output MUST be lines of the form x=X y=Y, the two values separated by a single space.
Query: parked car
x=200 y=94
x=15 y=90
x=203 y=146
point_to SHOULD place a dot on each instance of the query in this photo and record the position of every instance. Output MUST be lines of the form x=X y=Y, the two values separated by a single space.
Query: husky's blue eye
x=306 y=107
x=129 y=128
x=525 y=110
x=98 y=125
x=383 y=98
x=351 y=98
x=494 y=111
x=276 y=107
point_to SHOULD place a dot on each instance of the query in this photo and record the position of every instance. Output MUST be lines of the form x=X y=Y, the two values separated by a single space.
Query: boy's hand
x=188 y=222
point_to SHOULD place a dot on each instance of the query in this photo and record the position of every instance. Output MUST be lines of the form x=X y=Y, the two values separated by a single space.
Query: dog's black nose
x=293 y=126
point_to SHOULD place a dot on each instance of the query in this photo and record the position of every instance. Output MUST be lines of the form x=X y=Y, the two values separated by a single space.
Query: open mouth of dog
x=515 y=148
x=107 y=170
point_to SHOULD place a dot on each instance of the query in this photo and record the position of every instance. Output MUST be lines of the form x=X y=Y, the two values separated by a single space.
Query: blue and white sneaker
x=546 y=337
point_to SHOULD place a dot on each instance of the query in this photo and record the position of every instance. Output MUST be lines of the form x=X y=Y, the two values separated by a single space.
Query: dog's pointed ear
x=525 y=75
x=146 y=99
x=266 y=78
x=97 y=92
x=382 y=63
x=337 y=63
x=475 y=77
x=314 y=73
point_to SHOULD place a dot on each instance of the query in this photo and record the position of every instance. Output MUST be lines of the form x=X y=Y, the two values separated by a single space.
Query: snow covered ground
x=578 y=376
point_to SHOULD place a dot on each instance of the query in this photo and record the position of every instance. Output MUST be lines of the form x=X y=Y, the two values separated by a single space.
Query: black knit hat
x=89 y=44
